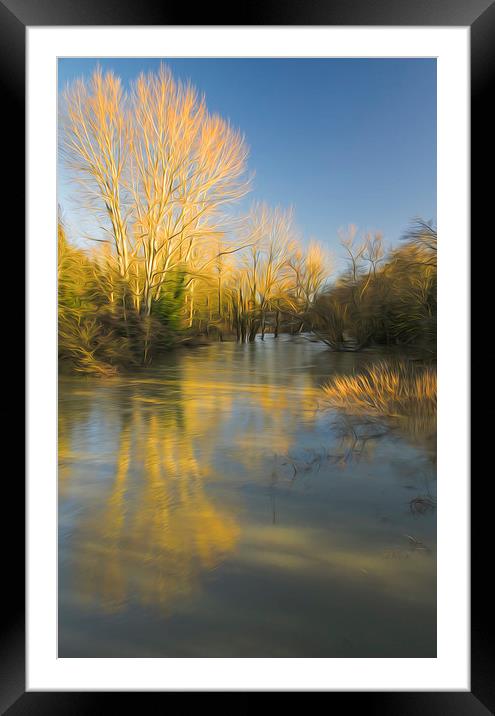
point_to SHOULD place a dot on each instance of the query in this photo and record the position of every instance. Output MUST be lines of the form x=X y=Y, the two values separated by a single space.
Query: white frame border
x=450 y=670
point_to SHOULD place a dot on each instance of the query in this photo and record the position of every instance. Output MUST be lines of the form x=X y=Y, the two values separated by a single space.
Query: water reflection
x=154 y=530
x=199 y=500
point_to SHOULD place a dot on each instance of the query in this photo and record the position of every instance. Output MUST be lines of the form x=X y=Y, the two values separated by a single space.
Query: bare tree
x=185 y=165
x=95 y=143
x=310 y=270
x=264 y=270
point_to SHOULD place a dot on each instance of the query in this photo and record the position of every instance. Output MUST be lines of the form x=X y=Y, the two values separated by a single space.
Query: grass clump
x=392 y=390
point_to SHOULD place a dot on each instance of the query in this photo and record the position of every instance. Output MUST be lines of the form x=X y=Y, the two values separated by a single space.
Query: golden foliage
x=161 y=172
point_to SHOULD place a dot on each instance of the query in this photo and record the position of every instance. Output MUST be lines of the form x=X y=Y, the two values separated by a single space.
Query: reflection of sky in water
x=208 y=508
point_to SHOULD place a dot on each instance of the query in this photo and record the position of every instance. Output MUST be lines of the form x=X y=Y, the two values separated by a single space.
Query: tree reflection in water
x=209 y=508
x=156 y=530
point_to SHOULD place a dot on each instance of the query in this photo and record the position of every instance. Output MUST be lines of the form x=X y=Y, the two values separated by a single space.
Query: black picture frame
x=15 y=17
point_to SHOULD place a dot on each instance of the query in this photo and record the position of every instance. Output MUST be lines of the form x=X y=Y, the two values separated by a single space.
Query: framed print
x=237 y=474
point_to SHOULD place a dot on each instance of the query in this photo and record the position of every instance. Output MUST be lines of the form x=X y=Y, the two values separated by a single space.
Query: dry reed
x=393 y=390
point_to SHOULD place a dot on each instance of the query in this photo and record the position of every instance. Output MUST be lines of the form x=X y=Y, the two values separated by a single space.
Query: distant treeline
x=379 y=300
x=266 y=283
x=158 y=173
x=382 y=299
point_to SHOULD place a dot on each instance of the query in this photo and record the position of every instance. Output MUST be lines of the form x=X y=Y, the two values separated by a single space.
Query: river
x=213 y=507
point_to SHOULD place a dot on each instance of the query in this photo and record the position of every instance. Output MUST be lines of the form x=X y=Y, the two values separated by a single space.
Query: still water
x=210 y=507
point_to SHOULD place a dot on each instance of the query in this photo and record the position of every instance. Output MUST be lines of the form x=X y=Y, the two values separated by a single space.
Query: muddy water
x=208 y=507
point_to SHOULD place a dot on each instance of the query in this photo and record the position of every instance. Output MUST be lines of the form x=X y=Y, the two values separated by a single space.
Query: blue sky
x=343 y=141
